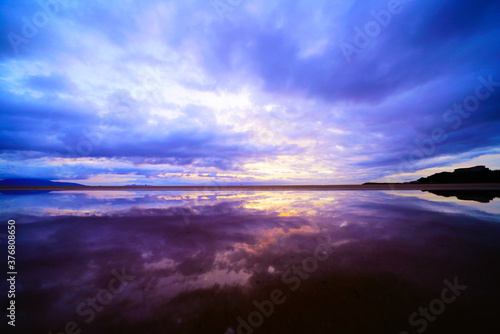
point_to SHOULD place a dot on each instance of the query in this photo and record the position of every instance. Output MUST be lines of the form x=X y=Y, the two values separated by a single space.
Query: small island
x=471 y=175
x=477 y=174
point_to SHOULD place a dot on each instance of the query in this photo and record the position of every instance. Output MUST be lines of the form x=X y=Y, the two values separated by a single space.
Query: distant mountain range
x=477 y=174
x=36 y=182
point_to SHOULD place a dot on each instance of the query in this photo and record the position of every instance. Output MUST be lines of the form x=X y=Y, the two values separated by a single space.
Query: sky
x=247 y=91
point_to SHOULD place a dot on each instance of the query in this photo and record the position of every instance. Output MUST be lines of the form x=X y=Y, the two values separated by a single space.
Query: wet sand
x=354 y=187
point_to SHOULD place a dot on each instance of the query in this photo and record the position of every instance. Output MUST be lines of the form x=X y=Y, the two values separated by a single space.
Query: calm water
x=243 y=262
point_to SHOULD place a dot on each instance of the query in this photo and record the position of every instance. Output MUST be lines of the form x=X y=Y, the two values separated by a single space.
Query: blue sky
x=244 y=91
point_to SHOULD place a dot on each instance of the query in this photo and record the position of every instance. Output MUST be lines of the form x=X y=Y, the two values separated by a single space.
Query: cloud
x=162 y=84
x=54 y=83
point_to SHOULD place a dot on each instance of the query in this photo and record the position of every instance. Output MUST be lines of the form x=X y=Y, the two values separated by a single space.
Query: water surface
x=200 y=262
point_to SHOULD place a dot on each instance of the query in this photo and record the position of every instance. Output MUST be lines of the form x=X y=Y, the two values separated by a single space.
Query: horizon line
x=332 y=187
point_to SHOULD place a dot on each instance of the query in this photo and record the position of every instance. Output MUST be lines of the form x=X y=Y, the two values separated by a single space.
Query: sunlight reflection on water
x=181 y=246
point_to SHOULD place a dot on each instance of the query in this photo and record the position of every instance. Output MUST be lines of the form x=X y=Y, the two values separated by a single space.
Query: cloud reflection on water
x=69 y=243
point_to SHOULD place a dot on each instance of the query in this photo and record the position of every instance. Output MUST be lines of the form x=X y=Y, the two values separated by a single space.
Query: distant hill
x=36 y=182
x=477 y=174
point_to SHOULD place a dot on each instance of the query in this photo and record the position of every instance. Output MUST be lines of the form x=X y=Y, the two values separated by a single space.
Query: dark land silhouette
x=477 y=174
x=462 y=176
x=25 y=182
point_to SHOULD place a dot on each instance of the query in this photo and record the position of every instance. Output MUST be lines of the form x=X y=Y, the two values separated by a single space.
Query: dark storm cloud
x=414 y=48
x=49 y=83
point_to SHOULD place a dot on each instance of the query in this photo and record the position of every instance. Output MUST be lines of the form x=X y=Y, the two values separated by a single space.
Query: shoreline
x=373 y=187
